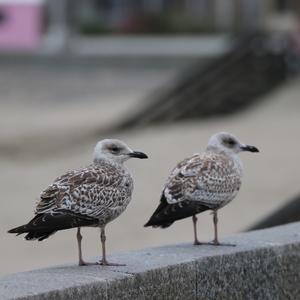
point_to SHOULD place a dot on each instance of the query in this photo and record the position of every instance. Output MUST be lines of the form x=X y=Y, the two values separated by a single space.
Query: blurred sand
x=271 y=177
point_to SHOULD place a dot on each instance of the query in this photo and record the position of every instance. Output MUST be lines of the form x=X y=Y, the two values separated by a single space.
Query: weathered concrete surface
x=265 y=264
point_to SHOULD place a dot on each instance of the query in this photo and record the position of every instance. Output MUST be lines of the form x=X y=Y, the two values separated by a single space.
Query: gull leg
x=215 y=219
x=81 y=262
x=196 y=241
x=79 y=239
x=216 y=239
x=104 y=261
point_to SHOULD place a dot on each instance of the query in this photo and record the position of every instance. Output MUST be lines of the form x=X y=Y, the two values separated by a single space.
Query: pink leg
x=104 y=261
x=216 y=239
x=196 y=241
x=81 y=262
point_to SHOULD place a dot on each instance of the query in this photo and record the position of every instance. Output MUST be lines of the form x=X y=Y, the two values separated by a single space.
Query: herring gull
x=91 y=196
x=206 y=181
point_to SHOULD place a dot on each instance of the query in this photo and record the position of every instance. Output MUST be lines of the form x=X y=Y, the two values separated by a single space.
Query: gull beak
x=249 y=148
x=138 y=154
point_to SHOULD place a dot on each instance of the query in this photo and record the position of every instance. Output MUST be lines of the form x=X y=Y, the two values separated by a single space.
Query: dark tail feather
x=158 y=224
x=44 y=225
x=156 y=220
x=153 y=219
x=38 y=235
x=32 y=234
x=24 y=228
x=166 y=214
x=18 y=230
x=164 y=225
x=155 y=224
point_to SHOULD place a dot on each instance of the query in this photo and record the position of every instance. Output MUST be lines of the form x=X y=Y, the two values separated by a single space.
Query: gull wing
x=210 y=179
x=82 y=191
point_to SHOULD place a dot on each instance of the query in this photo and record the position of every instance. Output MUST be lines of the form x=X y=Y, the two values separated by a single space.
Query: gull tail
x=166 y=214
x=32 y=230
x=31 y=235
x=154 y=224
x=18 y=230
x=156 y=220
x=44 y=225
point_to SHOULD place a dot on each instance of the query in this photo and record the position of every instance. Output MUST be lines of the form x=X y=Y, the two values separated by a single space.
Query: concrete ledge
x=265 y=264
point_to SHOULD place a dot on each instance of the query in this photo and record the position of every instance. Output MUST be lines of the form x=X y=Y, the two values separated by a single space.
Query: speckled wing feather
x=92 y=196
x=211 y=179
x=201 y=182
x=100 y=191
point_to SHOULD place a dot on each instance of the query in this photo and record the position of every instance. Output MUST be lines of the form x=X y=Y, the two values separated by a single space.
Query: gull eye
x=230 y=142
x=115 y=149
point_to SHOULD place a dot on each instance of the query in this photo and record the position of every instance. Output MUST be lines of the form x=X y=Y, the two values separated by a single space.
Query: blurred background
x=162 y=75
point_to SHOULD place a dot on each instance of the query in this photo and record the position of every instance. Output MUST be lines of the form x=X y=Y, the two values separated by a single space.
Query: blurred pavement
x=76 y=107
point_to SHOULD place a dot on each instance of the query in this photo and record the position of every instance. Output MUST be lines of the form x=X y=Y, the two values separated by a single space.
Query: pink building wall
x=20 y=26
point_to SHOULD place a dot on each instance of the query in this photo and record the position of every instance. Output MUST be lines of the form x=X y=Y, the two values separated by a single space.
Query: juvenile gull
x=206 y=181
x=92 y=196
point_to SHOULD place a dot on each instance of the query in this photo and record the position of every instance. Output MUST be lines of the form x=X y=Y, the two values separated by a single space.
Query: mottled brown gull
x=91 y=196
x=206 y=181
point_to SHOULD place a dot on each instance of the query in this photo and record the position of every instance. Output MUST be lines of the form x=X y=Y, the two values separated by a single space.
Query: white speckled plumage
x=212 y=179
x=101 y=191
x=90 y=196
x=205 y=181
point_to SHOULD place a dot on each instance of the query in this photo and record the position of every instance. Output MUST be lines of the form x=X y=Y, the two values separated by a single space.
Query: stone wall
x=264 y=264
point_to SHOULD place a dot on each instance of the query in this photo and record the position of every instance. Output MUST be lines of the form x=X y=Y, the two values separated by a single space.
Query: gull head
x=115 y=150
x=228 y=143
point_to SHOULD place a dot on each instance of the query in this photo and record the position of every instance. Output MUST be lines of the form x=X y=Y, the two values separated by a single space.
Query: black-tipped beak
x=138 y=154
x=249 y=148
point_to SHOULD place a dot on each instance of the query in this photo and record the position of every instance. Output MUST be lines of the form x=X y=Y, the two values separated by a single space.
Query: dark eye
x=115 y=149
x=230 y=142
